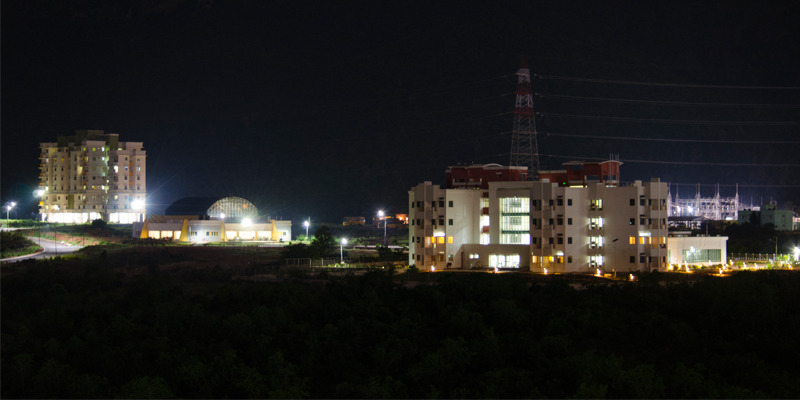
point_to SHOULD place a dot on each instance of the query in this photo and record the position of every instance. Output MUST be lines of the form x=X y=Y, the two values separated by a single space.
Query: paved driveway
x=51 y=249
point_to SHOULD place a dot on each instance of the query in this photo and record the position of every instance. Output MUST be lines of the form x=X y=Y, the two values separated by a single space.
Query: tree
x=300 y=250
x=99 y=224
x=324 y=243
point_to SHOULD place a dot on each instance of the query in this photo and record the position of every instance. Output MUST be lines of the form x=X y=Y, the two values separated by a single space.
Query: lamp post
x=306 y=224
x=614 y=243
x=341 y=249
x=9 y=206
x=776 y=248
x=381 y=214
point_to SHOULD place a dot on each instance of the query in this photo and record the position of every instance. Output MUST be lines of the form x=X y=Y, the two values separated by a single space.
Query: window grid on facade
x=515 y=220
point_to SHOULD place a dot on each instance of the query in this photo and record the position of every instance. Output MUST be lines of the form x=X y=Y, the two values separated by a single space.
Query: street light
x=381 y=214
x=221 y=215
x=306 y=224
x=247 y=222
x=9 y=206
x=137 y=204
x=341 y=249
x=614 y=243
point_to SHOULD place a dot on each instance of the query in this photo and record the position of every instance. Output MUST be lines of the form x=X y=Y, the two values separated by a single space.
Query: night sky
x=331 y=109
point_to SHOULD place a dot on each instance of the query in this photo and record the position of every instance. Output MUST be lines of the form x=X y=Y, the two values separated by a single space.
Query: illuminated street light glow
x=247 y=222
x=341 y=249
x=9 y=206
x=38 y=193
x=381 y=214
x=137 y=204
x=306 y=224
x=221 y=215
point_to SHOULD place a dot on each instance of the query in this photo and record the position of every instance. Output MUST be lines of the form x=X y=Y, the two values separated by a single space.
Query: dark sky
x=327 y=109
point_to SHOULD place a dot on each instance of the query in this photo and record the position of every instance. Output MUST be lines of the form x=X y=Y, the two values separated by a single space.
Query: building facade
x=684 y=249
x=478 y=176
x=191 y=229
x=92 y=175
x=783 y=220
x=540 y=225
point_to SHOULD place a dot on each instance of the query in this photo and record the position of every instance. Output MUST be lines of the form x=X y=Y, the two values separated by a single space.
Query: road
x=51 y=249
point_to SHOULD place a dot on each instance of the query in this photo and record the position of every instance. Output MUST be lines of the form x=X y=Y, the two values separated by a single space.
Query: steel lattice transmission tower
x=524 y=148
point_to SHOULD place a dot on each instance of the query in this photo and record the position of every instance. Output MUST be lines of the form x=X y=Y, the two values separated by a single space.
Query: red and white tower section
x=524 y=148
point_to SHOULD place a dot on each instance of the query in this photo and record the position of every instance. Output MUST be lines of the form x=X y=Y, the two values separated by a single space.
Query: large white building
x=92 y=175
x=209 y=219
x=538 y=225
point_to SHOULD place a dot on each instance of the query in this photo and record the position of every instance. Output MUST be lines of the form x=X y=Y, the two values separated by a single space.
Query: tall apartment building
x=92 y=175
x=538 y=225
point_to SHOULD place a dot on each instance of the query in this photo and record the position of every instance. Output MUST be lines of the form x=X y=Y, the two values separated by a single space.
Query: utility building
x=92 y=175
x=541 y=225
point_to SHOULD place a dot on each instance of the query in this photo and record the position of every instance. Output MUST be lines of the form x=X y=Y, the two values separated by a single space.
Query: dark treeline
x=91 y=334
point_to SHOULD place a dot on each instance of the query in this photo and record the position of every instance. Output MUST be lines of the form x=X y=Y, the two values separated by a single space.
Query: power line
x=669 y=121
x=669 y=140
x=568 y=78
x=675 y=103
x=679 y=162
x=733 y=185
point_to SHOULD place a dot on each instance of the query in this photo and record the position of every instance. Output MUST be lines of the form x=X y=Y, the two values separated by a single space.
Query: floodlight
x=247 y=222
x=221 y=215
x=344 y=241
x=137 y=204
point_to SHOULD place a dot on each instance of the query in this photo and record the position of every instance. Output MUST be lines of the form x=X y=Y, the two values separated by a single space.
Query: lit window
x=449 y=239
x=632 y=240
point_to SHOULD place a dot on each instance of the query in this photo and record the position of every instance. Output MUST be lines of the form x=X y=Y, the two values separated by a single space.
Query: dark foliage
x=324 y=244
x=752 y=238
x=92 y=334
x=387 y=254
x=299 y=250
